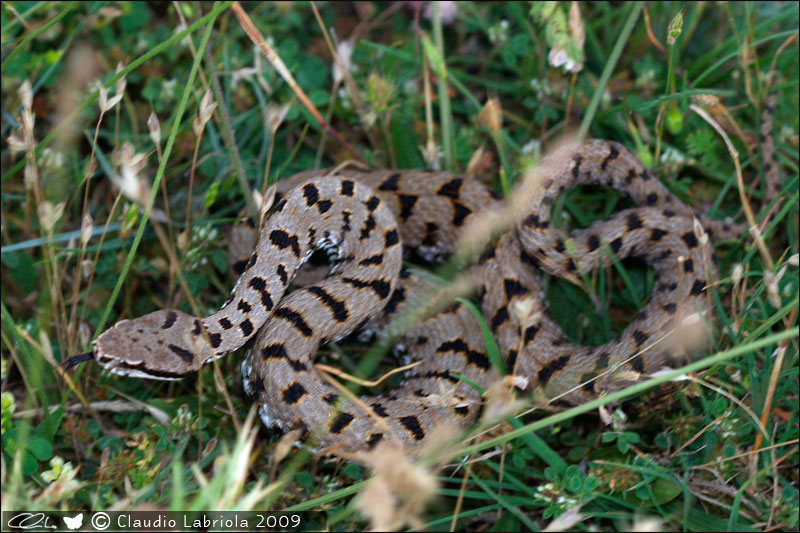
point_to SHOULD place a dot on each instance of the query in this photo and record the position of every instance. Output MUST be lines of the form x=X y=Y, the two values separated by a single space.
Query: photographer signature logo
x=30 y=521
x=74 y=522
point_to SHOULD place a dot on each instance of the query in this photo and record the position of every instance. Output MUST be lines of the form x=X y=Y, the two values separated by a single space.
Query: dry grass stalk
x=278 y=64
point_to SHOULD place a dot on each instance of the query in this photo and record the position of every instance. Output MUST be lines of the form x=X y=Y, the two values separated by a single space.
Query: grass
x=712 y=446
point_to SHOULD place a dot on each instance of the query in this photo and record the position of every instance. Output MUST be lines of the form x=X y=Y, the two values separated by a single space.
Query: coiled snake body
x=366 y=220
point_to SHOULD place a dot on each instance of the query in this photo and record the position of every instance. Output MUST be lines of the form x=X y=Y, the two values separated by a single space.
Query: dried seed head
x=70 y=247
x=154 y=127
x=792 y=260
x=780 y=274
x=491 y=116
x=121 y=83
x=85 y=333
x=49 y=214
x=264 y=203
x=106 y=103
x=284 y=446
x=475 y=161
x=773 y=295
x=16 y=141
x=398 y=492
x=697 y=227
x=29 y=176
x=736 y=274
x=257 y=199
x=183 y=241
x=605 y=416
x=28 y=120
x=25 y=92
x=128 y=181
x=87 y=226
x=526 y=312
x=431 y=154
x=275 y=115
x=500 y=402
x=576 y=29
x=207 y=107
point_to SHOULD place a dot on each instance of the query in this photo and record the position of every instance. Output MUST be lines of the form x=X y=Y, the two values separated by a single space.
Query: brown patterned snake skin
x=366 y=220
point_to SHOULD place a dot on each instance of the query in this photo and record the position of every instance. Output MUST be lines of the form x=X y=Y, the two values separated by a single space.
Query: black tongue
x=75 y=360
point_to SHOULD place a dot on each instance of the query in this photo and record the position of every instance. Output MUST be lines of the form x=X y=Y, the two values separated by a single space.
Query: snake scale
x=365 y=221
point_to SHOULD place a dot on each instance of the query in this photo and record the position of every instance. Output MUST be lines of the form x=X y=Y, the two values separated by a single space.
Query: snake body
x=365 y=220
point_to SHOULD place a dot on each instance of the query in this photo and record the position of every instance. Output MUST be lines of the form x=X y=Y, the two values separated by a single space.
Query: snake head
x=166 y=344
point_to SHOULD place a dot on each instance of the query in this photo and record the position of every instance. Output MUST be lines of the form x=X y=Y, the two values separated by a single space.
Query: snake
x=367 y=222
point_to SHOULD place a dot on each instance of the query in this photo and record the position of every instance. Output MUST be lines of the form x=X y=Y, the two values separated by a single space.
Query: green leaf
x=433 y=55
x=405 y=143
x=219 y=260
x=623 y=445
x=305 y=480
x=507 y=522
x=574 y=484
x=609 y=437
x=665 y=491
x=353 y=471
x=40 y=448
x=630 y=436
x=49 y=432
x=211 y=195
x=22 y=271
x=29 y=463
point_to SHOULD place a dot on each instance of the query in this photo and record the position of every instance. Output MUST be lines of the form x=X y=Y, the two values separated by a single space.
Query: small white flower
x=532 y=148
x=557 y=57
x=411 y=86
x=447 y=11
x=520 y=382
x=168 y=89
x=344 y=53
x=498 y=33
x=671 y=155
x=58 y=469
x=343 y=95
